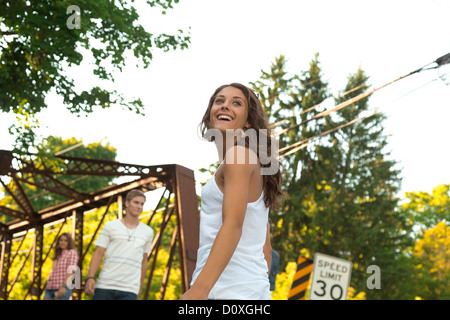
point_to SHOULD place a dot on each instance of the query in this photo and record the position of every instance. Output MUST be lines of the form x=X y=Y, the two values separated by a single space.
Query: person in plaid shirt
x=65 y=257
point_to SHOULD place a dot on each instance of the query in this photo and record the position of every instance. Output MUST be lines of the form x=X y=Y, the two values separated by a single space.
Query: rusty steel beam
x=36 y=264
x=13 y=213
x=18 y=248
x=16 y=191
x=157 y=206
x=188 y=222
x=5 y=264
x=20 y=269
x=155 y=247
x=92 y=201
x=74 y=166
x=6 y=158
x=31 y=169
x=46 y=182
x=165 y=279
x=77 y=235
x=77 y=166
x=110 y=201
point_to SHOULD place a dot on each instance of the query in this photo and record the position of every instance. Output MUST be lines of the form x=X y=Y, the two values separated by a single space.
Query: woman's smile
x=229 y=110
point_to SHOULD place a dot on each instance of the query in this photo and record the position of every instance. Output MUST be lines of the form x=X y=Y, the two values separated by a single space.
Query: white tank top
x=245 y=277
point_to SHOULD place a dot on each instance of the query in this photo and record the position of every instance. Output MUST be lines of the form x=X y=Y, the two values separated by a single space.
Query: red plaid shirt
x=60 y=269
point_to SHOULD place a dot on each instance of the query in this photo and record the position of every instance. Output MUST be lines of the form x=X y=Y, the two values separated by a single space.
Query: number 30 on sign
x=331 y=278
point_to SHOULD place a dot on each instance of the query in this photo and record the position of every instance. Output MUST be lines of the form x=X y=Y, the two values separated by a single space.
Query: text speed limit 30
x=331 y=278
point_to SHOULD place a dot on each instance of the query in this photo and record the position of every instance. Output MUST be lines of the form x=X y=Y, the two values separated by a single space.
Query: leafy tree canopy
x=433 y=262
x=40 y=40
x=341 y=185
x=427 y=210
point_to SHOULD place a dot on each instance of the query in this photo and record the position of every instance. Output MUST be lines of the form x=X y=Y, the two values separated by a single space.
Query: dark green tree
x=41 y=40
x=360 y=220
x=427 y=262
x=342 y=185
x=286 y=99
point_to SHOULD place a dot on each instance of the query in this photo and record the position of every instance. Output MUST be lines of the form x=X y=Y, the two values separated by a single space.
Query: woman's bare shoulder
x=241 y=155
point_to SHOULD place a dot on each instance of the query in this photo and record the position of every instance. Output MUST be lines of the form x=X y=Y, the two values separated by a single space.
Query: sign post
x=301 y=279
x=331 y=278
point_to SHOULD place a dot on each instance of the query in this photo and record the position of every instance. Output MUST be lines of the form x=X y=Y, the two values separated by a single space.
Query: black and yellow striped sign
x=301 y=279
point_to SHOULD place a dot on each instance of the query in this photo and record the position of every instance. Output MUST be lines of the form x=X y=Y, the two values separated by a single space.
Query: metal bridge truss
x=178 y=203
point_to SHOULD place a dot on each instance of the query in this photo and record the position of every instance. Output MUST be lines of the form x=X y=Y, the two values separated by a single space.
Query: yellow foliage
x=91 y=219
x=352 y=295
x=433 y=250
x=435 y=247
x=284 y=282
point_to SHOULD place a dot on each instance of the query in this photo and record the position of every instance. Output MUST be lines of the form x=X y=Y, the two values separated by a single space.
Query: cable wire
x=302 y=144
x=440 y=61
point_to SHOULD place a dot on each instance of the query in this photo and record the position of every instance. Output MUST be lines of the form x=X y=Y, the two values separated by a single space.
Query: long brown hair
x=58 y=250
x=258 y=120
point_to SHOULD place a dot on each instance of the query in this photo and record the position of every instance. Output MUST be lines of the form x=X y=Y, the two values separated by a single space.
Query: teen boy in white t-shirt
x=125 y=244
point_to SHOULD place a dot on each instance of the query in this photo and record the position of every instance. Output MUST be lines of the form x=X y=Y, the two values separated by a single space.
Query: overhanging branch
x=8 y=33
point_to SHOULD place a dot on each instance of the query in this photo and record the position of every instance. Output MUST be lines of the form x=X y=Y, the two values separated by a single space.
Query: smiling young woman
x=234 y=252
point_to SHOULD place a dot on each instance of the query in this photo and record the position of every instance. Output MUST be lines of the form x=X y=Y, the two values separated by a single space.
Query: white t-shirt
x=124 y=253
x=245 y=277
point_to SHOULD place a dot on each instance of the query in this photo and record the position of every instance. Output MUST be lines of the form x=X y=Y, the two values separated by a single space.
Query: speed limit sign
x=331 y=278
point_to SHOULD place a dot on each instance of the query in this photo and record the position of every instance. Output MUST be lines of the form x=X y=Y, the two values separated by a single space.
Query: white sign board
x=331 y=278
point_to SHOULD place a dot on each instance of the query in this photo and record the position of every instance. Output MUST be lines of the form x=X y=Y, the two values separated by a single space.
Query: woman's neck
x=225 y=144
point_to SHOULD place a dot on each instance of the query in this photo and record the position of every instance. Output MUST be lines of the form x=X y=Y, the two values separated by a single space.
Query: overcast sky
x=232 y=41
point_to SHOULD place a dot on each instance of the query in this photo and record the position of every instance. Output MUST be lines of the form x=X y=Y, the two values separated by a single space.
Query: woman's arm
x=236 y=193
x=267 y=249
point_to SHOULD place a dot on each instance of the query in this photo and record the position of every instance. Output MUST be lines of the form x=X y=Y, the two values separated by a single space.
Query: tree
x=284 y=97
x=341 y=185
x=41 y=40
x=427 y=210
x=366 y=225
x=429 y=258
x=433 y=255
